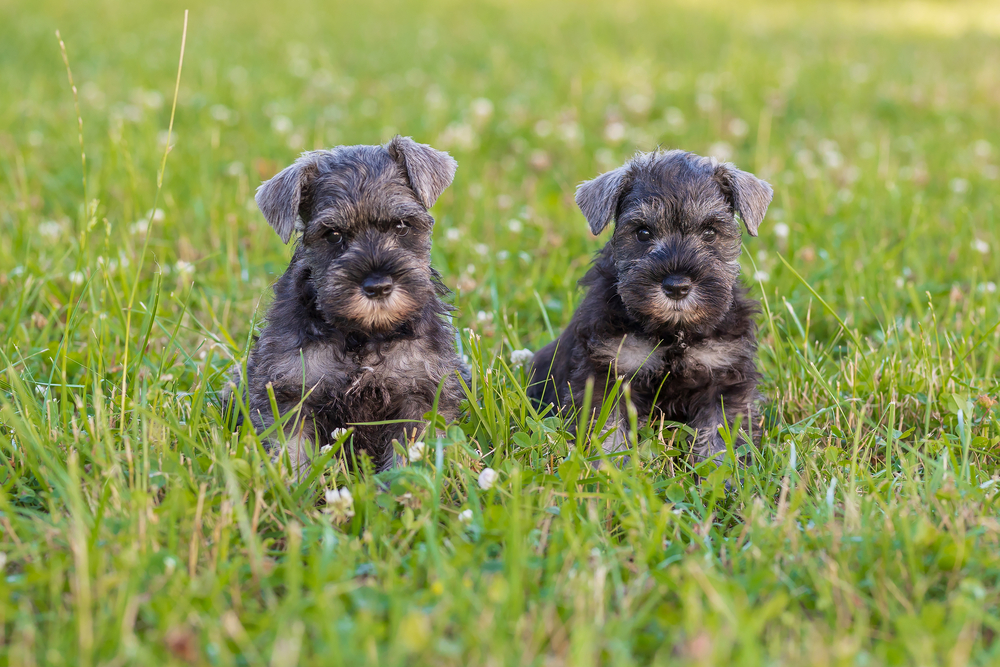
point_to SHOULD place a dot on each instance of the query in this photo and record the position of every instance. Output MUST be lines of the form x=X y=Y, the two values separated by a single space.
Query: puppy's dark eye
x=643 y=235
x=708 y=236
x=402 y=229
x=334 y=237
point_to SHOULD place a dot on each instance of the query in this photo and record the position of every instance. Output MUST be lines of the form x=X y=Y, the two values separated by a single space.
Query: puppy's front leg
x=708 y=441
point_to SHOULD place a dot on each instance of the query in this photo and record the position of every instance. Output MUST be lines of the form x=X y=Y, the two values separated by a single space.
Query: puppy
x=664 y=307
x=357 y=332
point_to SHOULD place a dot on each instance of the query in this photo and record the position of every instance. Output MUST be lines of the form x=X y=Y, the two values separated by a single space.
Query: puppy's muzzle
x=377 y=286
x=677 y=286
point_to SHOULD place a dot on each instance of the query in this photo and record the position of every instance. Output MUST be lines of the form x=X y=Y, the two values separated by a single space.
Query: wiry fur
x=690 y=359
x=347 y=358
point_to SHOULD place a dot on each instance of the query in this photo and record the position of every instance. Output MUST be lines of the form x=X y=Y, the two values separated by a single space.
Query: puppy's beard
x=379 y=314
x=647 y=303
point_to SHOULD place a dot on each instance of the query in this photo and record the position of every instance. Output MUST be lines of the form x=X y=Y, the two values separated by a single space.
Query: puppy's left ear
x=279 y=198
x=429 y=170
x=598 y=199
x=748 y=194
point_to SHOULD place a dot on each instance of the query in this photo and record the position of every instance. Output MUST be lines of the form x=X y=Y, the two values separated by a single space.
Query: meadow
x=137 y=529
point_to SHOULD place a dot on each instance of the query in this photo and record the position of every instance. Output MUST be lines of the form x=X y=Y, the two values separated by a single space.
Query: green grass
x=136 y=530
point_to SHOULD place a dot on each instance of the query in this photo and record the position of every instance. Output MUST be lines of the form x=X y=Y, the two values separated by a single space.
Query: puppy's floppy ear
x=598 y=199
x=429 y=170
x=748 y=194
x=279 y=198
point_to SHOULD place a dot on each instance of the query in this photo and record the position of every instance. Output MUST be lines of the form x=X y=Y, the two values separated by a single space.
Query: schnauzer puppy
x=357 y=332
x=664 y=308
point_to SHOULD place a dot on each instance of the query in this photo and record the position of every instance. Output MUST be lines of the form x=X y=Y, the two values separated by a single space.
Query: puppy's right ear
x=598 y=199
x=279 y=198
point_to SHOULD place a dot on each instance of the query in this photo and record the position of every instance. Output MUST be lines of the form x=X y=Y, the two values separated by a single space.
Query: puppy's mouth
x=675 y=300
x=378 y=300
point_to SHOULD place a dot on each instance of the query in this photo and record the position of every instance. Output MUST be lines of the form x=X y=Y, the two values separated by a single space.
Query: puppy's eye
x=643 y=235
x=708 y=236
x=334 y=237
x=402 y=229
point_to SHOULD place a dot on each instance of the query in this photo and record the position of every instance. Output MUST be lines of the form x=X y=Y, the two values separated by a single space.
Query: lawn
x=137 y=529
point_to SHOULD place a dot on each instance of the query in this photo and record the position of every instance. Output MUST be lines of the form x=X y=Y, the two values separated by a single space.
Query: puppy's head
x=364 y=256
x=676 y=243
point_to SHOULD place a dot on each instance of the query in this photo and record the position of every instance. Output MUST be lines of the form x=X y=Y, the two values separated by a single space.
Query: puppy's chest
x=642 y=360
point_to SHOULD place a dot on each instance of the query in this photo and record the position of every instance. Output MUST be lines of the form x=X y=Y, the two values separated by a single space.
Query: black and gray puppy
x=664 y=309
x=357 y=331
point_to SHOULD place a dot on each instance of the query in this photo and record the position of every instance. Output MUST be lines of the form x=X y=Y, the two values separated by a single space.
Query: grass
x=135 y=529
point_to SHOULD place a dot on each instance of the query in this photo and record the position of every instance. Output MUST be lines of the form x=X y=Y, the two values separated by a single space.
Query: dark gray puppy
x=357 y=331
x=664 y=308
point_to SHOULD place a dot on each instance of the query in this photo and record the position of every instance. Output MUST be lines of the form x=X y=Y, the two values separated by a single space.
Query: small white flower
x=50 y=229
x=761 y=276
x=515 y=225
x=959 y=185
x=721 y=150
x=282 y=124
x=183 y=267
x=76 y=278
x=487 y=478
x=337 y=432
x=416 y=451
x=339 y=504
x=981 y=246
x=990 y=287
x=521 y=357
x=235 y=168
x=503 y=256
x=324 y=449
x=543 y=128
x=614 y=131
x=781 y=230
x=483 y=316
x=453 y=234
x=482 y=249
x=738 y=127
x=220 y=112
x=482 y=109
x=465 y=516
x=674 y=118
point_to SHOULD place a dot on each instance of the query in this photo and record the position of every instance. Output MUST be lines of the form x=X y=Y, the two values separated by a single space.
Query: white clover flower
x=76 y=278
x=416 y=451
x=487 y=478
x=614 y=131
x=183 y=267
x=50 y=229
x=515 y=225
x=721 y=150
x=483 y=316
x=738 y=127
x=781 y=230
x=324 y=449
x=482 y=249
x=282 y=124
x=674 y=118
x=482 y=109
x=337 y=432
x=761 y=276
x=339 y=504
x=521 y=357
x=465 y=516
x=981 y=246
x=220 y=112
x=959 y=185
x=453 y=234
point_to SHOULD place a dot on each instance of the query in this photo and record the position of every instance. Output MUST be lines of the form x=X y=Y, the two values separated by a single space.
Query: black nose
x=377 y=286
x=677 y=287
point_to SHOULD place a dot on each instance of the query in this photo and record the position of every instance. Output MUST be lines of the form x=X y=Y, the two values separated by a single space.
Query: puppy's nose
x=677 y=287
x=377 y=286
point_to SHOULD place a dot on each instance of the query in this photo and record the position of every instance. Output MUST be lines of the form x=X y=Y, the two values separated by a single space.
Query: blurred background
x=875 y=122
